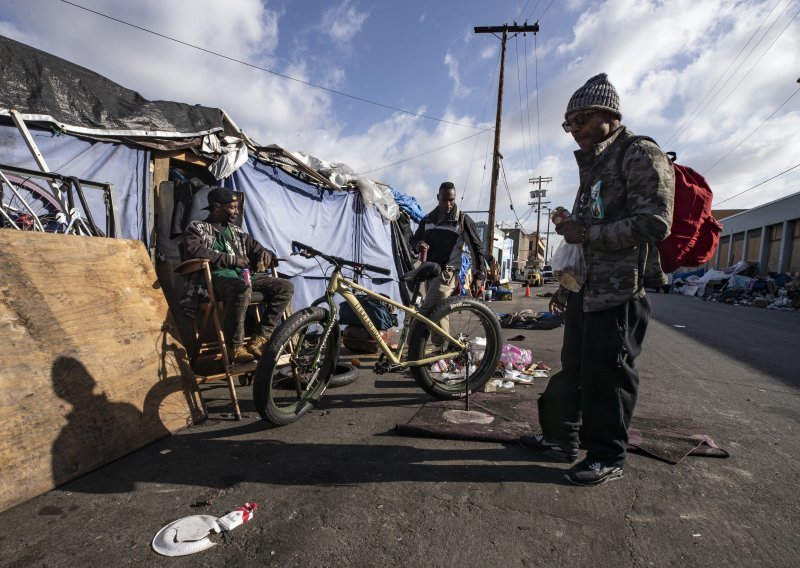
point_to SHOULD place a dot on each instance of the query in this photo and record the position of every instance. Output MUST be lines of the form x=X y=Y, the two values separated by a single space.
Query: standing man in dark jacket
x=230 y=249
x=441 y=236
x=617 y=220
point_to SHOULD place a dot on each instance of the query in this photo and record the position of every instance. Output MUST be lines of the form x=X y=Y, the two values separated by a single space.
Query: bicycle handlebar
x=309 y=252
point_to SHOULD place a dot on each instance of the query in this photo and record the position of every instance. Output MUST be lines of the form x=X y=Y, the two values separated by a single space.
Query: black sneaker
x=592 y=473
x=557 y=452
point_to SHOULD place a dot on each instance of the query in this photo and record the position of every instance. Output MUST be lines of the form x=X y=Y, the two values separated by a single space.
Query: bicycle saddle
x=424 y=272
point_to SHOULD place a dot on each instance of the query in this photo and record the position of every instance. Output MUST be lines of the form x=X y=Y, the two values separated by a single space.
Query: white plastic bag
x=569 y=266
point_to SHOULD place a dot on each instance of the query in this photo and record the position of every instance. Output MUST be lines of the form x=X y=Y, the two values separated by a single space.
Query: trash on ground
x=517 y=377
x=514 y=357
x=192 y=534
x=498 y=385
x=237 y=517
x=186 y=536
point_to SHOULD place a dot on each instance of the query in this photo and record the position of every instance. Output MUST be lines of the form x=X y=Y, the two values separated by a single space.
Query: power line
x=489 y=92
x=522 y=111
x=538 y=112
x=733 y=73
x=712 y=166
x=425 y=153
x=758 y=184
x=695 y=110
x=277 y=74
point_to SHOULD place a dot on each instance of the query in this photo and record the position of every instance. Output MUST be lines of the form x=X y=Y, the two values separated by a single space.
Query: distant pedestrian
x=617 y=220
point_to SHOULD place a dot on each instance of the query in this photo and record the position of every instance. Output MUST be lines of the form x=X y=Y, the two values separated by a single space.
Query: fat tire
x=344 y=374
x=484 y=324
x=274 y=385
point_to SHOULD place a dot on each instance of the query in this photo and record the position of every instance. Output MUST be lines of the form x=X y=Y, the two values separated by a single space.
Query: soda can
x=423 y=254
x=559 y=215
x=246 y=275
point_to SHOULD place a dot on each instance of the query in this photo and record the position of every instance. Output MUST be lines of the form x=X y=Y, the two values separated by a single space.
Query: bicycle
x=450 y=350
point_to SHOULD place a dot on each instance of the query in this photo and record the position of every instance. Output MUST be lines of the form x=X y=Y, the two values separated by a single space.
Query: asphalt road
x=340 y=488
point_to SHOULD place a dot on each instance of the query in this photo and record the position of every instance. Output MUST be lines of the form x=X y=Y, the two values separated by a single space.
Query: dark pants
x=236 y=296
x=592 y=398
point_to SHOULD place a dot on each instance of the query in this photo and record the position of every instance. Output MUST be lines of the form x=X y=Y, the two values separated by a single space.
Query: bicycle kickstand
x=466 y=378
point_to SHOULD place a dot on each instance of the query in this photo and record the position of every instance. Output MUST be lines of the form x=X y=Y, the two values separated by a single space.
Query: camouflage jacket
x=626 y=217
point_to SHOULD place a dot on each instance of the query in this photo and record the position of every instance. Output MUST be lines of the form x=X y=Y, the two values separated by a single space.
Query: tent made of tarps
x=88 y=126
x=46 y=88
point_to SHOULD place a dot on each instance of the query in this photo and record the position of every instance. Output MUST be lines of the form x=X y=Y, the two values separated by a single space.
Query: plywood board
x=89 y=367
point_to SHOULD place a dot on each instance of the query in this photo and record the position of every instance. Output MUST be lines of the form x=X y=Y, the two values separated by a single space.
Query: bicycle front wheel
x=470 y=321
x=287 y=382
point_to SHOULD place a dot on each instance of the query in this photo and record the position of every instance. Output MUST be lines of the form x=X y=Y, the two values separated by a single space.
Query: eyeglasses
x=578 y=120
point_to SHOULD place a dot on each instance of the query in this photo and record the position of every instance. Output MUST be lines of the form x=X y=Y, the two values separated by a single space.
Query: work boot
x=239 y=354
x=256 y=344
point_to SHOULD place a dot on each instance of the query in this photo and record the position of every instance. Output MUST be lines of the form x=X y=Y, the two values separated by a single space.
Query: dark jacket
x=446 y=235
x=198 y=240
x=199 y=237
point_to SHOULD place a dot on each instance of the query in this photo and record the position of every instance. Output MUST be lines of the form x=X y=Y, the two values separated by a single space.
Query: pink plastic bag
x=515 y=357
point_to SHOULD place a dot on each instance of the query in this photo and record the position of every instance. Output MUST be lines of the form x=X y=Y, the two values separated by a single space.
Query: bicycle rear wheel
x=287 y=383
x=470 y=321
x=28 y=201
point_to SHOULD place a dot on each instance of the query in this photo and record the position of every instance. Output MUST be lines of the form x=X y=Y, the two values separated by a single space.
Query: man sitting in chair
x=230 y=249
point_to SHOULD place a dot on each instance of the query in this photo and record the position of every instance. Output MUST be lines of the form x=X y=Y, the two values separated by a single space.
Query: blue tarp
x=280 y=208
x=126 y=169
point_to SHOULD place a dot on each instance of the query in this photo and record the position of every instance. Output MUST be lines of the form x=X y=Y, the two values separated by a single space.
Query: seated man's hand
x=267 y=259
x=242 y=262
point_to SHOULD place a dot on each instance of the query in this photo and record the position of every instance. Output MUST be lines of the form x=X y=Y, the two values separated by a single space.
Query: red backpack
x=695 y=233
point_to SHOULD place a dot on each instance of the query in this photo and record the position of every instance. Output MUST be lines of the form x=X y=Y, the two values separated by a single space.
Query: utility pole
x=547 y=236
x=494 y=30
x=538 y=194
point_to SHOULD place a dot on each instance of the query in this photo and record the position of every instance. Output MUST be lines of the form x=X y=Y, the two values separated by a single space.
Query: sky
x=405 y=91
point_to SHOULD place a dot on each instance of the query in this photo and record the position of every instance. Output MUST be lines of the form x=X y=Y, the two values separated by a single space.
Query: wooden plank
x=89 y=369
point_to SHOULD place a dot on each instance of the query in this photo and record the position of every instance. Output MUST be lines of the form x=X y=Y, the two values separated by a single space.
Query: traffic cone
x=527 y=290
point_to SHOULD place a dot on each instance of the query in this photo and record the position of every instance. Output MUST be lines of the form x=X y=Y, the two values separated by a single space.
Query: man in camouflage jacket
x=623 y=207
x=230 y=249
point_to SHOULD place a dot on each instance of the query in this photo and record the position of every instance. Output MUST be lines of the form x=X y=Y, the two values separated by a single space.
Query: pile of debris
x=741 y=285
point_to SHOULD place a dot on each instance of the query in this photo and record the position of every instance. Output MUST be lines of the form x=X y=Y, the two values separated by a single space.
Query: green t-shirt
x=222 y=243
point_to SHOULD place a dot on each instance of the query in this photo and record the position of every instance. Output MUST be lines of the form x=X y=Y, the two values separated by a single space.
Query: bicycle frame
x=338 y=284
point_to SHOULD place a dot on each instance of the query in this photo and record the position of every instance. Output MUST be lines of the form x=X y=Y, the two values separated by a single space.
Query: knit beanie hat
x=597 y=93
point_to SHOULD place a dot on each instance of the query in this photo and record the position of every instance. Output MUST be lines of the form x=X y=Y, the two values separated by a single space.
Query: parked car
x=547 y=273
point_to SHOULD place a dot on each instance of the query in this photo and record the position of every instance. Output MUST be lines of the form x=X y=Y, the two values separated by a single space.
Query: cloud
x=459 y=89
x=664 y=58
x=343 y=22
